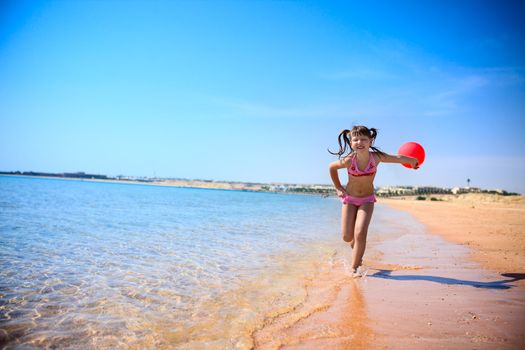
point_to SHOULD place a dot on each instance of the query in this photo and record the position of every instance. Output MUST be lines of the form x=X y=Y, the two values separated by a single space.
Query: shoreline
x=167 y=183
x=301 y=189
x=195 y=184
x=492 y=227
x=421 y=291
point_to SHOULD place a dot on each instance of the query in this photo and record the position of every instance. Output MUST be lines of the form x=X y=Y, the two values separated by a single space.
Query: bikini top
x=370 y=168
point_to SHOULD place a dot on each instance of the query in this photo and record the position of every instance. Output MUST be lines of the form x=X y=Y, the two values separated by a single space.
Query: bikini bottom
x=357 y=201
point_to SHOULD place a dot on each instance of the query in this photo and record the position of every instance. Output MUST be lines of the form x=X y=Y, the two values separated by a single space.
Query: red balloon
x=414 y=150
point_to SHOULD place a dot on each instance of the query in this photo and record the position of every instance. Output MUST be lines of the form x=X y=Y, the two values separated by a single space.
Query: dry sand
x=492 y=226
x=422 y=290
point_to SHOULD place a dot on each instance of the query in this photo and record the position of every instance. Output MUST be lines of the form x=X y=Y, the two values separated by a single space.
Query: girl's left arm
x=388 y=158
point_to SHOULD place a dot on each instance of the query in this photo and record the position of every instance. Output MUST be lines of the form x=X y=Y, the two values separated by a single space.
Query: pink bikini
x=370 y=168
x=357 y=201
x=353 y=170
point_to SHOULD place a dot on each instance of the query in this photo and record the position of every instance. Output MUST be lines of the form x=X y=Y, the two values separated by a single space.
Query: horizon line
x=89 y=176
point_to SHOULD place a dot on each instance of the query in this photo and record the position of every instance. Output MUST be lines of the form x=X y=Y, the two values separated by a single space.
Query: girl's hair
x=358 y=130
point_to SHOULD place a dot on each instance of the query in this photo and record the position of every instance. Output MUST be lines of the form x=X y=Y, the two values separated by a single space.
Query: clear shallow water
x=95 y=265
x=104 y=265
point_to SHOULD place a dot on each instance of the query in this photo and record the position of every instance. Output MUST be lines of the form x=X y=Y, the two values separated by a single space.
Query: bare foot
x=359 y=272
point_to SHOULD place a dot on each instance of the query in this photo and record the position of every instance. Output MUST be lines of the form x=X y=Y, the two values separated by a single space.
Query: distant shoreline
x=322 y=190
x=168 y=183
x=199 y=184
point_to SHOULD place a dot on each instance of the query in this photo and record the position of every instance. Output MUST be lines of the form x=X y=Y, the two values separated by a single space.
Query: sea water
x=102 y=265
x=110 y=265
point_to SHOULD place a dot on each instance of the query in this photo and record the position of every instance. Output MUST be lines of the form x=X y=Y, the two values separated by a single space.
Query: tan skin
x=356 y=219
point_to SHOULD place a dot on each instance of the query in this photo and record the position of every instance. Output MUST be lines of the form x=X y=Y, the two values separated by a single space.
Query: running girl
x=358 y=196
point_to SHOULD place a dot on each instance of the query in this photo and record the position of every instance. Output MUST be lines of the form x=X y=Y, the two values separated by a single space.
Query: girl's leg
x=348 y=214
x=362 y=220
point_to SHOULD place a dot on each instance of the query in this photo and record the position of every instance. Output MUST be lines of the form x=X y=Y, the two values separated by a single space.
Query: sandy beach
x=456 y=282
x=492 y=226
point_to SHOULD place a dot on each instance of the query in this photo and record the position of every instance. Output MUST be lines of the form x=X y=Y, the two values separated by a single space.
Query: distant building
x=460 y=190
x=395 y=191
x=387 y=191
x=278 y=188
x=431 y=190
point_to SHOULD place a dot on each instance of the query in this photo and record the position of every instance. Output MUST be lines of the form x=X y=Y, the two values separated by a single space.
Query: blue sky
x=258 y=90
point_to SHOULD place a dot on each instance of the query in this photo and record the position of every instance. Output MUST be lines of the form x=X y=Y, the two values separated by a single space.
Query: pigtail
x=344 y=143
x=373 y=135
x=347 y=140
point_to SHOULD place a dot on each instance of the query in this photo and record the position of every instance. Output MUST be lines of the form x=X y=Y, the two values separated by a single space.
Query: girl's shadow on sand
x=503 y=284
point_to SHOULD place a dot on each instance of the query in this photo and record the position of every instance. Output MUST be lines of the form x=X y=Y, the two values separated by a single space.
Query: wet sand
x=421 y=291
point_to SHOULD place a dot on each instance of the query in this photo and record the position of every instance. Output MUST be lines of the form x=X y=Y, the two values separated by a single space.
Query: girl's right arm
x=334 y=167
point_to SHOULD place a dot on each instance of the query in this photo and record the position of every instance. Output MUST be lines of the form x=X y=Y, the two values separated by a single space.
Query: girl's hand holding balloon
x=415 y=151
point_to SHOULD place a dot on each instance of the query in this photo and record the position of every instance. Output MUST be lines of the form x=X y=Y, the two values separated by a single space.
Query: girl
x=358 y=197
